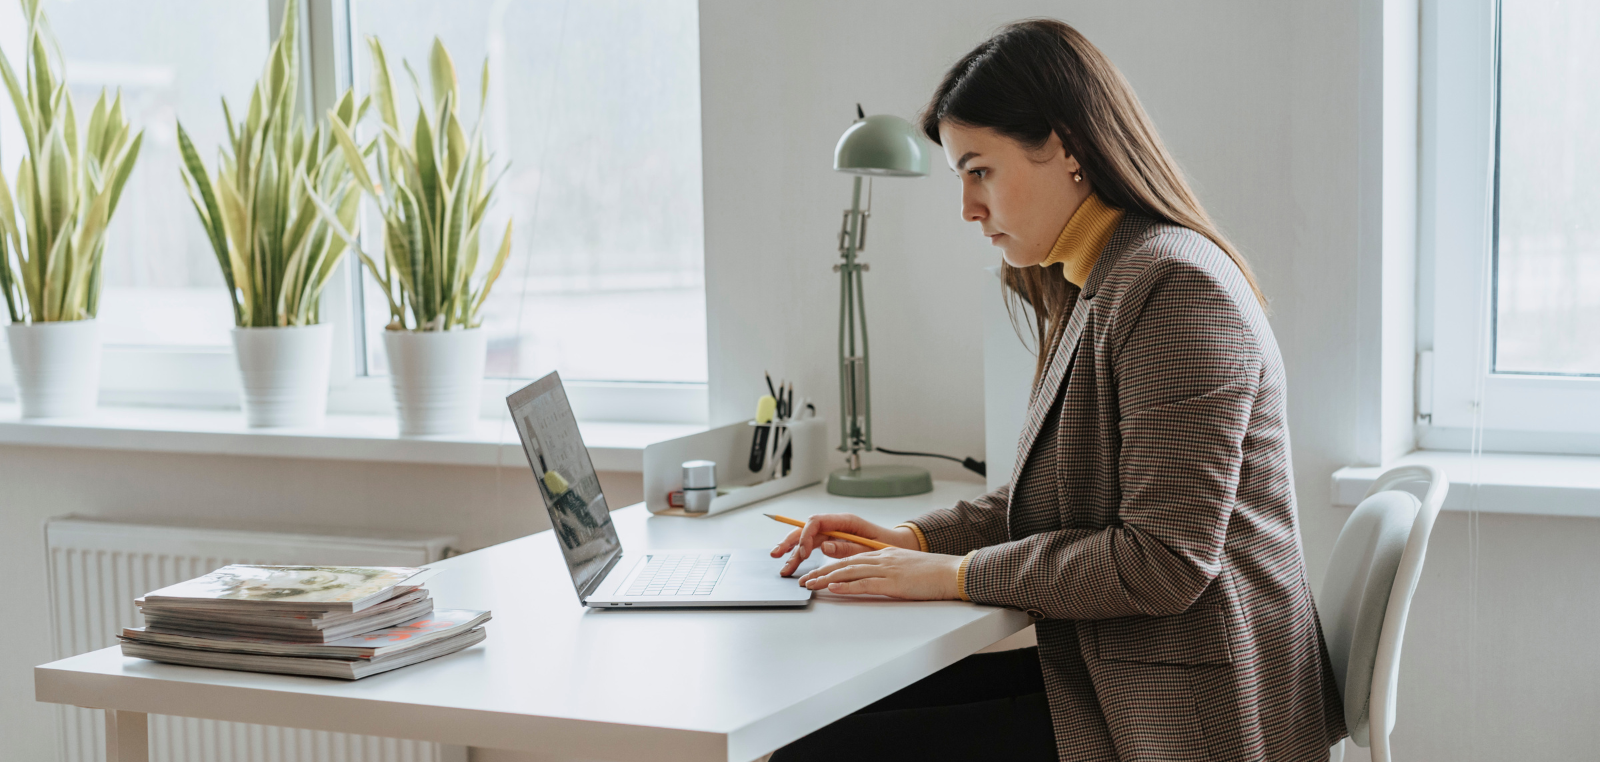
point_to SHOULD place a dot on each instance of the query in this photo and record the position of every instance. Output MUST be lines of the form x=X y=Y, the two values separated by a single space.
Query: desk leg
x=127 y=736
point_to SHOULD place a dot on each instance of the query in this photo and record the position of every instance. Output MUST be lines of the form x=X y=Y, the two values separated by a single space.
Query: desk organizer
x=729 y=446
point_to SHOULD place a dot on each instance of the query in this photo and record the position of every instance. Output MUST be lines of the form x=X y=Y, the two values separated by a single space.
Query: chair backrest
x=1367 y=594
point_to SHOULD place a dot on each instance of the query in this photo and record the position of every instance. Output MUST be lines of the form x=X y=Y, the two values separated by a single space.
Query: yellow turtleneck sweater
x=1077 y=249
x=1086 y=233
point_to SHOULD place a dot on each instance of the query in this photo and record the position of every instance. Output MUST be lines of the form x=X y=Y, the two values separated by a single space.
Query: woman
x=1149 y=528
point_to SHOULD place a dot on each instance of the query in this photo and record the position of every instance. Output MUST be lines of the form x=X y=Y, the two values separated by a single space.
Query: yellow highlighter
x=766 y=409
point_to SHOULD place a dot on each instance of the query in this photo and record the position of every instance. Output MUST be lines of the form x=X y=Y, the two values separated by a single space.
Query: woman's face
x=1021 y=198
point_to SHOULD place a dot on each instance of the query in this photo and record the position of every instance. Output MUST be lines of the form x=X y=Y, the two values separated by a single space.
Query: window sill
x=614 y=446
x=1545 y=485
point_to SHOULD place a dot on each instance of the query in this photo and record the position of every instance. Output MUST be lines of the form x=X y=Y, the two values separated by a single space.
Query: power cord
x=971 y=464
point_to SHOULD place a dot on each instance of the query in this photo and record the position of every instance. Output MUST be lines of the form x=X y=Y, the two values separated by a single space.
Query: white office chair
x=1373 y=573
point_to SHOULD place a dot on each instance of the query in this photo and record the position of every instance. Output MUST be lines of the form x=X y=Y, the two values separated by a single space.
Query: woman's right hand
x=811 y=537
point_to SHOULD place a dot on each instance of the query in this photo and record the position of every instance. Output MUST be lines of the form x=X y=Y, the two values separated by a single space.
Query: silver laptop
x=603 y=574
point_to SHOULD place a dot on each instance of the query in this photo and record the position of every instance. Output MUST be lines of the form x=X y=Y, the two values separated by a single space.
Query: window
x=593 y=110
x=1511 y=158
x=1547 y=242
x=171 y=60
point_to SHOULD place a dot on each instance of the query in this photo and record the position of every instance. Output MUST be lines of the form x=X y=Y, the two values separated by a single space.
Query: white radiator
x=98 y=567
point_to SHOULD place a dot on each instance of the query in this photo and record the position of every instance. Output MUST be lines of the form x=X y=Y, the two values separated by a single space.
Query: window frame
x=207 y=377
x=1456 y=382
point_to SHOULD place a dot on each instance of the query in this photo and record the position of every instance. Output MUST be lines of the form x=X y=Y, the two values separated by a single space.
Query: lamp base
x=880 y=481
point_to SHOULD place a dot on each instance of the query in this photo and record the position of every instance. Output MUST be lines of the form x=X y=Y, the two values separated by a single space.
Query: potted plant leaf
x=432 y=188
x=53 y=228
x=276 y=250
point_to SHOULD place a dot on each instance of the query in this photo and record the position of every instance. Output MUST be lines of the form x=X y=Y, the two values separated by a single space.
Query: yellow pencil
x=874 y=544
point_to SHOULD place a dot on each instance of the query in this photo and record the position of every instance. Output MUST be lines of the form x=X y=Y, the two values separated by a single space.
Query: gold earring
x=1077 y=176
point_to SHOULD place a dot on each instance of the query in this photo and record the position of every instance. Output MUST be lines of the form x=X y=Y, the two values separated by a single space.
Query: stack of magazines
x=326 y=621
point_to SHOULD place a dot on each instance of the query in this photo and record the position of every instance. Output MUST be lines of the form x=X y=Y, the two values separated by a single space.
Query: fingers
x=825 y=569
x=802 y=551
x=789 y=541
x=866 y=586
x=859 y=563
x=843 y=548
x=810 y=537
x=843 y=575
x=829 y=548
x=805 y=543
x=853 y=579
x=794 y=561
x=809 y=532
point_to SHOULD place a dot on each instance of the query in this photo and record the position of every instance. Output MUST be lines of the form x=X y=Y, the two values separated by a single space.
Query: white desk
x=573 y=683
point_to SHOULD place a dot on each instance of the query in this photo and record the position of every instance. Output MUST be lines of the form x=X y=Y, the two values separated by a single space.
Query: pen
x=780 y=447
x=874 y=544
x=788 y=448
x=766 y=431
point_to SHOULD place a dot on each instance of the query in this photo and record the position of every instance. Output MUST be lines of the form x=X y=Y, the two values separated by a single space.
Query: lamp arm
x=847 y=409
x=847 y=326
x=866 y=365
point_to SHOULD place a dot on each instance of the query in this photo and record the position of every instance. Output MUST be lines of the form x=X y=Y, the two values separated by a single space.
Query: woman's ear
x=1059 y=143
x=1053 y=148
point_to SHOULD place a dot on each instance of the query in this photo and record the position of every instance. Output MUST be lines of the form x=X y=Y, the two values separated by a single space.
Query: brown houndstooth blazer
x=1154 y=537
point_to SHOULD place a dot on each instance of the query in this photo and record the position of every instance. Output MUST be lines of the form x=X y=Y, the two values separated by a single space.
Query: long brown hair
x=1040 y=76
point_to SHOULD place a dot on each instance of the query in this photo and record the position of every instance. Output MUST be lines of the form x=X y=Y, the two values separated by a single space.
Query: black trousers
x=984 y=707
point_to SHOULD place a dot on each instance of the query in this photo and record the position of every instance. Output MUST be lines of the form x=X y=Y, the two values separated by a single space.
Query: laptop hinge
x=594 y=584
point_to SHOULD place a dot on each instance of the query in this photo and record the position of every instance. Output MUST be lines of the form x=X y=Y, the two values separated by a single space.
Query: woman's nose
x=971 y=209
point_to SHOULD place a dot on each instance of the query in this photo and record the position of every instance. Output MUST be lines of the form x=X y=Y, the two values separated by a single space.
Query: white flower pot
x=437 y=378
x=284 y=374
x=57 y=367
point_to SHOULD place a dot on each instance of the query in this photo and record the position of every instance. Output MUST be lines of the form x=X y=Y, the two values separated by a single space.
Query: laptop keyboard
x=679 y=574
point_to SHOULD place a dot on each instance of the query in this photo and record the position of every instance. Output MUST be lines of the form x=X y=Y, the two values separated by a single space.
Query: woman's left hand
x=895 y=572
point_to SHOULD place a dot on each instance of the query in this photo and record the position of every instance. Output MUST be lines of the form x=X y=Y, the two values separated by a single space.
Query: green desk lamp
x=885 y=146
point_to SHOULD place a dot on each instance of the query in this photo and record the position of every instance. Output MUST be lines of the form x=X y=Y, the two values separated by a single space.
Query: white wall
x=1256 y=99
x=1259 y=101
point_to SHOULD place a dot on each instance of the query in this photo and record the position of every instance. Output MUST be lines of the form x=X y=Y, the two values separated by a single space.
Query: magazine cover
x=209 y=627
x=372 y=645
x=281 y=618
x=326 y=586
x=290 y=665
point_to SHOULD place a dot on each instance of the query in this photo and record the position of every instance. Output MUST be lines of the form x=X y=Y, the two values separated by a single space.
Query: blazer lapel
x=1044 y=395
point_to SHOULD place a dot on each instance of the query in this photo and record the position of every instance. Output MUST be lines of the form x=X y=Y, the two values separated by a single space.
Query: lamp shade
x=882 y=144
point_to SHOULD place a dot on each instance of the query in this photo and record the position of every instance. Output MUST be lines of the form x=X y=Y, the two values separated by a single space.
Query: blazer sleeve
x=1187 y=372
x=969 y=525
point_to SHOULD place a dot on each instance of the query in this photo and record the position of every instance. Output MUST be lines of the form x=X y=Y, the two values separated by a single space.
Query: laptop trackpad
x=813 y=563
x=750 y=575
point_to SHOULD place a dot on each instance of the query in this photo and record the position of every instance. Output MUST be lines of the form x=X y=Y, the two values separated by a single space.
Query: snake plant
x=53 y=229
x=275 y=248
x=432 y=188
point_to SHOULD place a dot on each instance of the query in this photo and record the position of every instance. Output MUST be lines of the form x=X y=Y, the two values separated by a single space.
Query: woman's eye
x=978 y=173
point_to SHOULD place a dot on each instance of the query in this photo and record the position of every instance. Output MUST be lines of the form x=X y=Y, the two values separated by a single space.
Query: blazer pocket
x=1197 y=636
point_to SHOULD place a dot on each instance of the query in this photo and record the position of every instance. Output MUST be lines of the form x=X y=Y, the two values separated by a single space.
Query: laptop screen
x=567 y=480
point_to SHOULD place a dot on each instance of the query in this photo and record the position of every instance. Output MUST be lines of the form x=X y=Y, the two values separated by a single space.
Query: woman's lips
x=995 y=239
